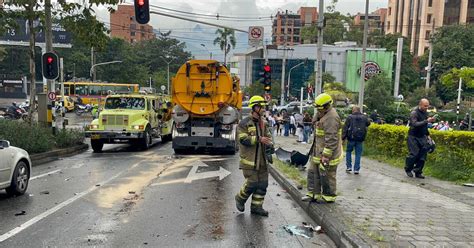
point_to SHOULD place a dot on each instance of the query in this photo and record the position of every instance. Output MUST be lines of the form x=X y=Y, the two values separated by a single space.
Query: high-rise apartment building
x=376 y=20
x=415 y=19
x=288 y=25
x=123 y=25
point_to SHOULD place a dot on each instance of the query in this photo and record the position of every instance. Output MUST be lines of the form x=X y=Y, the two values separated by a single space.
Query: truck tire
x=97 y=145
x=146 y=141
x=180 y=151
x=166 y=138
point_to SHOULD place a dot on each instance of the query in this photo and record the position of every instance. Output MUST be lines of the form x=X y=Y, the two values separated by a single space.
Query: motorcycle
x=81 y=109
x=14 y=112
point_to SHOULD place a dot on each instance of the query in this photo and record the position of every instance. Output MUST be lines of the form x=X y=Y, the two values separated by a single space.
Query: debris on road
x=468 y=184
x=23 y=212
x=131 y=192
x=298 y=230
x=67 y=179
x=44 y=192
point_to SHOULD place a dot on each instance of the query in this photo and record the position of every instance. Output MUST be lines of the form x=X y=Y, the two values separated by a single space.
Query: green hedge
x=453 y=159
x=37 y=139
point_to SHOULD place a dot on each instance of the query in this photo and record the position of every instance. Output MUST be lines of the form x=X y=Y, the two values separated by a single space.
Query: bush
x=453 y=159
x=37 y=139
x=67 y=138
x=32 y=138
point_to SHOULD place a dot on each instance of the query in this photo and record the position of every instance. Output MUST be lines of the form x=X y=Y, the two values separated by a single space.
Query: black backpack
x=358 y=128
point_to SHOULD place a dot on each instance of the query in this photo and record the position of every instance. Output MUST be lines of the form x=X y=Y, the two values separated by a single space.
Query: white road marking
x=194 y=175
x=51 y=211
x=45 y=174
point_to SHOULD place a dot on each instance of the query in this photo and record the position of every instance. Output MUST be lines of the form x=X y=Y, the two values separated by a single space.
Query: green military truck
x=133 y=118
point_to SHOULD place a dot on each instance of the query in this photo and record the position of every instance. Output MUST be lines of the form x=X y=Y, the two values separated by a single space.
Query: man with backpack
x=355 y=130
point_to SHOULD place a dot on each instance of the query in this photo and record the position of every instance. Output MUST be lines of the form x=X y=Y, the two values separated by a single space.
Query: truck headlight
x=137 y=127
x=179 y=114
x=93 y=126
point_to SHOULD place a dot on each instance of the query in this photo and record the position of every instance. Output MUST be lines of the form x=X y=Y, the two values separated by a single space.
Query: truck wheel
x=146 y=141
x=97 y=145
x=166 y=138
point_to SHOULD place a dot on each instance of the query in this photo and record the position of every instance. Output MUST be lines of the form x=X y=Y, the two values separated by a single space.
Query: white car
x=15 y=169
x=291 y=106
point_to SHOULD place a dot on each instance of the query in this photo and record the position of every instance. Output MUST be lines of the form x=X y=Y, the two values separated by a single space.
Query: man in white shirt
x=292 y=124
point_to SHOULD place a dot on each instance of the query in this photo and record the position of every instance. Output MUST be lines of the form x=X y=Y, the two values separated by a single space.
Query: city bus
x=95 y=92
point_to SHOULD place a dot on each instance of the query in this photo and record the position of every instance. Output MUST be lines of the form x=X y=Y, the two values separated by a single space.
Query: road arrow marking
x=193 y=175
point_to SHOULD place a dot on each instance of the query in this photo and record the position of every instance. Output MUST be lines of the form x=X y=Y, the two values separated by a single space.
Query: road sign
x=52 y=96
x=255 y=35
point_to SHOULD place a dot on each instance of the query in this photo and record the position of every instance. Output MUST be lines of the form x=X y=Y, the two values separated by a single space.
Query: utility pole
x=319 y=77
x=398 y=67
x=362 y=66
x=92 y=64
x=283 y=63
x=459 y=97
x=428 y=68
x=61 y=78
x=48 y=37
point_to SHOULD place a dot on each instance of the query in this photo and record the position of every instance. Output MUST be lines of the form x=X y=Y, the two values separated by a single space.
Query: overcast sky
x=235 y=8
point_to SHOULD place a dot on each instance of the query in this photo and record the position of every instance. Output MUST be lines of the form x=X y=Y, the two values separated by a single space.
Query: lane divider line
x=51 y=211
x=45 y=174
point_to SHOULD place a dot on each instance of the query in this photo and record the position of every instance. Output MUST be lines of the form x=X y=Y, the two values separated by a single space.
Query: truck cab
x=133 y=118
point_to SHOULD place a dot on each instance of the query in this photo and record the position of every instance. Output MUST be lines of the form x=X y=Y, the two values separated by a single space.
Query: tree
x=453 y=47
x=409 y=75
x=378 y=93
x=450 y=81
x=334 y=30
x=76 y=17
x=420 y=92
x=226 y=40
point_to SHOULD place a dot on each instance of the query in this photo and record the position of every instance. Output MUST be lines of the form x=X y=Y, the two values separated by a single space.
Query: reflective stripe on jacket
x=252 y=151
x=328 y=133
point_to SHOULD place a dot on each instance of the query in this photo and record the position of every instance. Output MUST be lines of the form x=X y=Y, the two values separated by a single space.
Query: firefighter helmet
x=257 y=100
x=322 y=101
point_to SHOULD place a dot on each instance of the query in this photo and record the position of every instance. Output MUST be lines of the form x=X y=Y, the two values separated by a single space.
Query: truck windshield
x=125 y=103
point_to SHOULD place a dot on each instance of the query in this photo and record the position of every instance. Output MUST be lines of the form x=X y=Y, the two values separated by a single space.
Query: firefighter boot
x=259 y=211
x=240 y=204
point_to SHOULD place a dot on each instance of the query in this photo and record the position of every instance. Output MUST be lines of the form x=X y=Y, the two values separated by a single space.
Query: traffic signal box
x=266 y=78
x=50 y=65
x=142 y=11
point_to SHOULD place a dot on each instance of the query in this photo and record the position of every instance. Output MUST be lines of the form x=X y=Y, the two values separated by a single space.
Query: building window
x=282 y=30
x=430 y=3
x=132 y=33
x=133 y=26
x=281 y=38
x=428 y=18
x=388 y=25
x=296 y=39
x=297 y=31
x=427 y=35
x=389 y=10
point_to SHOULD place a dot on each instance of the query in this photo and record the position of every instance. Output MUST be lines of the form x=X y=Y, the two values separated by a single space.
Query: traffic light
x=50 y=65
x=142 y=11
x=267 y=78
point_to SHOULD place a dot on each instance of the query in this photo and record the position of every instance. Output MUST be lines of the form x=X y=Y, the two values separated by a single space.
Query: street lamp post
x=210 y=53
x=104 y=63
x=289 y=76
x=168 y=63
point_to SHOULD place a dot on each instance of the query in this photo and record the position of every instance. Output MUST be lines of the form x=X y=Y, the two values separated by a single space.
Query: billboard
x=21 y=33
x=377 y=62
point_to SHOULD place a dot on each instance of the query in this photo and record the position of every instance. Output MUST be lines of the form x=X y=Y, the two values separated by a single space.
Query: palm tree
x=226 y=40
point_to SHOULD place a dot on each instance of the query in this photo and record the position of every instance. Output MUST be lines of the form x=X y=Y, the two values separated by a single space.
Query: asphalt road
x=128 y=198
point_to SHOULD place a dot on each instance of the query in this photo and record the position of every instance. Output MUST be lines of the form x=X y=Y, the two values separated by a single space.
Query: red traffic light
x=50 y=60
x=141 y=2
x=267 y=68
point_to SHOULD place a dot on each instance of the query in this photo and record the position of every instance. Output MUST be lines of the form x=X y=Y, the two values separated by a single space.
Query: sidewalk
x=387 y=209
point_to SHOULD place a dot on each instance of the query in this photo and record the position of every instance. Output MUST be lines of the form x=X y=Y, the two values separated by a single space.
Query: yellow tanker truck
x=207 y=102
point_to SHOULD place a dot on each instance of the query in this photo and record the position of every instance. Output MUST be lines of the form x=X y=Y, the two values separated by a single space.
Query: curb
x=325 y=215
x=46 y=157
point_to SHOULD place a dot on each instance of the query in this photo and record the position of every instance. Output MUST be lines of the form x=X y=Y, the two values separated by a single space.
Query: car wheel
x=20 y=179
x=97 y=145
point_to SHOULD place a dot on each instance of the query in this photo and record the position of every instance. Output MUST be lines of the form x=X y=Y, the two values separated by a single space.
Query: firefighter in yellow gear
x=326 y=152
x=254 y=142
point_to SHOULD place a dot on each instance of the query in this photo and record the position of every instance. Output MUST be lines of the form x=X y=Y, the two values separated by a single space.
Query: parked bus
x=95 y=92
